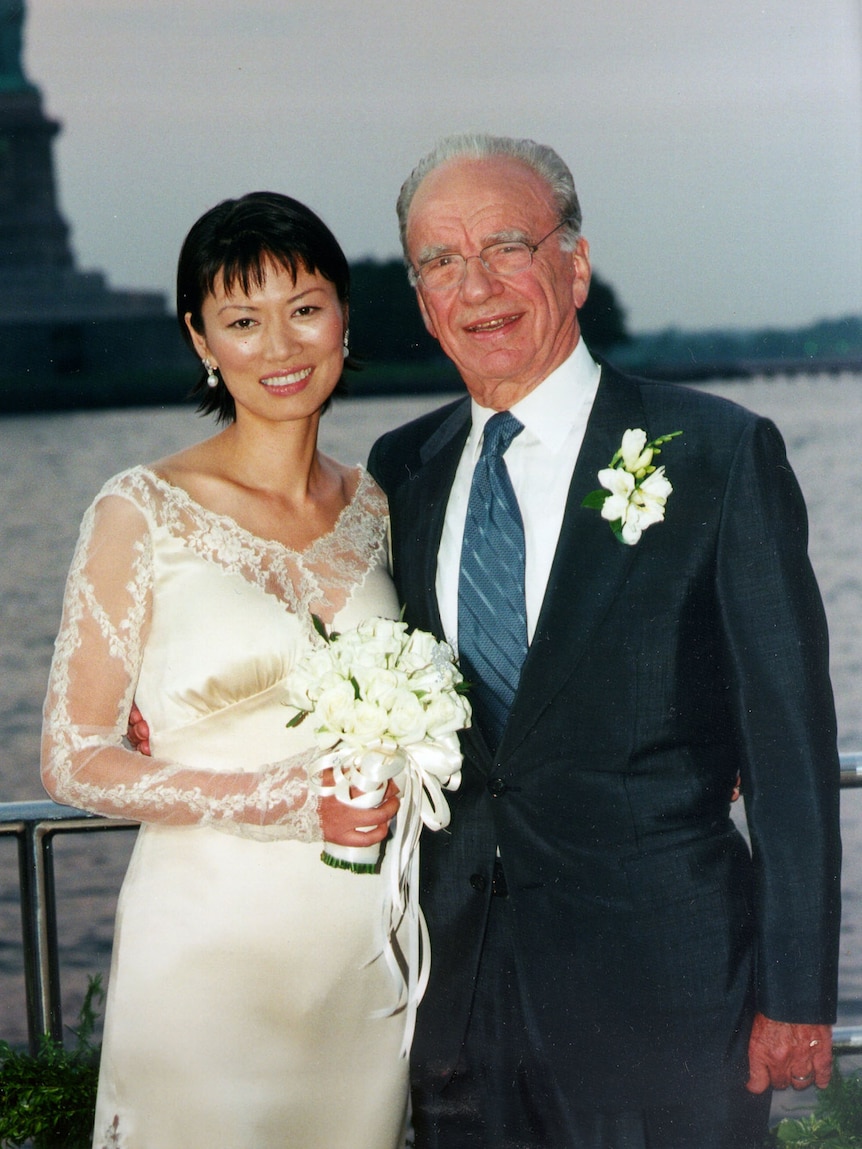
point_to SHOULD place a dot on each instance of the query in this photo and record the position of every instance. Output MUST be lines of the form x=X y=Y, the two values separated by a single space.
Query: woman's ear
x=198 y=341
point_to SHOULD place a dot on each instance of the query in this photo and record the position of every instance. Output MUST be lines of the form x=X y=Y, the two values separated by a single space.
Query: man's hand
x=781 y=1054
x=137 y=732
x=340 y=822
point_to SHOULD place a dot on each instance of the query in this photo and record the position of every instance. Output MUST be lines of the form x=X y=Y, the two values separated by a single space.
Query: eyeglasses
x=445 y=272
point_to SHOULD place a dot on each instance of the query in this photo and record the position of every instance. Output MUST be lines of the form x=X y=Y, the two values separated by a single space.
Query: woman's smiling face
x=278 y=346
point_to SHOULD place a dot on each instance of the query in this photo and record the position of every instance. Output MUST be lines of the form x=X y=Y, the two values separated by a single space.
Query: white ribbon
x=422 y=772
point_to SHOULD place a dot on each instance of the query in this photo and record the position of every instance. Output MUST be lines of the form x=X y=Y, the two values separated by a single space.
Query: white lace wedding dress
x=242 y=988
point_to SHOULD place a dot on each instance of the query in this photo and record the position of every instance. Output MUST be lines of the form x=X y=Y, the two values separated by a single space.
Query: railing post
x=39 y=933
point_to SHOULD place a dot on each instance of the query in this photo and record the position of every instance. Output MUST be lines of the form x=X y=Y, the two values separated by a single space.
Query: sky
x=717 y=148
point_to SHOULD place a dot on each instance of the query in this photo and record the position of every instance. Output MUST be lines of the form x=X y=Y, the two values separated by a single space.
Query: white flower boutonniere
x=635 y=491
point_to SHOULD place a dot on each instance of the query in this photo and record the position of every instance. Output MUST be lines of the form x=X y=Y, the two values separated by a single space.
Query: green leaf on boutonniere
x=595 y=500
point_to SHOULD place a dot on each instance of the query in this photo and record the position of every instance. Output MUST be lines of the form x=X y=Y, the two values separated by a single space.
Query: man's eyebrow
x=507 y=235
x=433 y=250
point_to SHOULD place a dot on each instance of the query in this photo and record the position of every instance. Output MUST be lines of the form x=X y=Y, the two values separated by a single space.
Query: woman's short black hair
x=235 y=240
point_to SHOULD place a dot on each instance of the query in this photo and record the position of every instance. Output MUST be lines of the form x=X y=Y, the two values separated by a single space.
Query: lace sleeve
x=97 y=657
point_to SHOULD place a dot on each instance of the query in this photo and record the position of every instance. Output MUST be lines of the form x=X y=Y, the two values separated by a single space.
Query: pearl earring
x=346 y=349
x=212 y=378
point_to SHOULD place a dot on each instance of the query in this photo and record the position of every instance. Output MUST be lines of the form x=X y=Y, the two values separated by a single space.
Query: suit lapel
x=422 y=508
x=589 y=568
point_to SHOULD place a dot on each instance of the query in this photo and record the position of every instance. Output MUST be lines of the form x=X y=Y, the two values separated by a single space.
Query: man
x=610 y=966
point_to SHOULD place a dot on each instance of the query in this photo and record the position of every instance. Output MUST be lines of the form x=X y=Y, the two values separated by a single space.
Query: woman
x=243 y=983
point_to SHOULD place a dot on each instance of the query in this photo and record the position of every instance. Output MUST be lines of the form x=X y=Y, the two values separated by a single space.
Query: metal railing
x=35 y=824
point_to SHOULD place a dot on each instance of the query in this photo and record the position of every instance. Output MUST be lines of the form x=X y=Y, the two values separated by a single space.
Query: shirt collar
x=550 y=410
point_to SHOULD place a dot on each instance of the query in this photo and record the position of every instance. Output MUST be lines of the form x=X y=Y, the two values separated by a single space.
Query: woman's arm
x=106 y=618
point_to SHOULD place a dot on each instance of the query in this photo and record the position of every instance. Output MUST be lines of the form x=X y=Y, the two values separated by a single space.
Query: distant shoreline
x=172 y=387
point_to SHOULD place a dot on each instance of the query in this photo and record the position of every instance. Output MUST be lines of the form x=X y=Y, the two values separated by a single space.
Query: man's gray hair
x=540 y=158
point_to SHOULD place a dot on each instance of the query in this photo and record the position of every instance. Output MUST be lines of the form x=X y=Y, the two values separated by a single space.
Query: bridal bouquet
x=385 y=704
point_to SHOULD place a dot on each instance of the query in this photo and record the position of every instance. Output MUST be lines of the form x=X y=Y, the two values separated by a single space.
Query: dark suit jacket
x=646 y=934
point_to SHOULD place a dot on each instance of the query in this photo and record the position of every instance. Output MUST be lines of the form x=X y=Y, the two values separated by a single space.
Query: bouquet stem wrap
x=359 y=779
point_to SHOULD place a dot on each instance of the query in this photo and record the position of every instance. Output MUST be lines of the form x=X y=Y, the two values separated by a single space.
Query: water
x=52 y=465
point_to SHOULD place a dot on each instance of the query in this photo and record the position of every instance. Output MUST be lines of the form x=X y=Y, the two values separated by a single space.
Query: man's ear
x=198 y=340
x=583 y=272
x=426 y=317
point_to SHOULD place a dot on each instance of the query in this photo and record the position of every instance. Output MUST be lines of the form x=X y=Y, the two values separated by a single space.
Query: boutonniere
x=635 y=491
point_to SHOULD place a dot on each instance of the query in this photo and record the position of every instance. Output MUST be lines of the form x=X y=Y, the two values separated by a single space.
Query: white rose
x=343 y=650
x=308 y=679
x=422 y=646
x=382 y=628
x=407 y=722
x=334 y=711
x=435 y=679
x=427 y=680
x=370 y=722
x=373 y=653
x=379 y=686
x=446 y=713
x=386 y=636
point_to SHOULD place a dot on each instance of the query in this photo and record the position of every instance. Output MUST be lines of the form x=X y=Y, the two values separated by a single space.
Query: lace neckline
x=318 y=580
x=225 y=521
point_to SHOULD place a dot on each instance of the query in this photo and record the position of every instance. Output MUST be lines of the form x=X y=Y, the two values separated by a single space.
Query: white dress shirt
x=540 y=462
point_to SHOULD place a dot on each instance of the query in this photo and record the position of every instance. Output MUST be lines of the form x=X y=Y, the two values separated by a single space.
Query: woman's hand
x=341 y=823
x=137 y=731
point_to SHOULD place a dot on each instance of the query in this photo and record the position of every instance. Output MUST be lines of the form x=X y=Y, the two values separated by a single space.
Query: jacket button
x=497 y=786
x=478 y=882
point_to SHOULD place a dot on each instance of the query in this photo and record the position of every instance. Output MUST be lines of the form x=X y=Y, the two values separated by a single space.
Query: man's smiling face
x=505 y=334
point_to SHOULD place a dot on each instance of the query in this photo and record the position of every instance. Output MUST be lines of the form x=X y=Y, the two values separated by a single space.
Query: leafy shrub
x=836 y=1122
x=49 y=1097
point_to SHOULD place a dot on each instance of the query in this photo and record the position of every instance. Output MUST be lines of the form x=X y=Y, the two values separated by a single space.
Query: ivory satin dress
x=243 y=979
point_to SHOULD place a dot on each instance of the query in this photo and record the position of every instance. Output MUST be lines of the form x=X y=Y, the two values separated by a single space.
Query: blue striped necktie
x=492 y=612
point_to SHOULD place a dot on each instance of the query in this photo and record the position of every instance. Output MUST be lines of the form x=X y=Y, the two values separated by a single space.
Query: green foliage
x=50 y=1097
x=385 y=323
x=602 y=318
x=836 y=1123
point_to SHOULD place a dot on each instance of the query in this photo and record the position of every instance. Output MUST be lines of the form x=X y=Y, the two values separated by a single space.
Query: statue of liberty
x=12 y=76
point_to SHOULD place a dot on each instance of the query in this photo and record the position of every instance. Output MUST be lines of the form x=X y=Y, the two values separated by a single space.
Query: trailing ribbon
x=422 y=772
